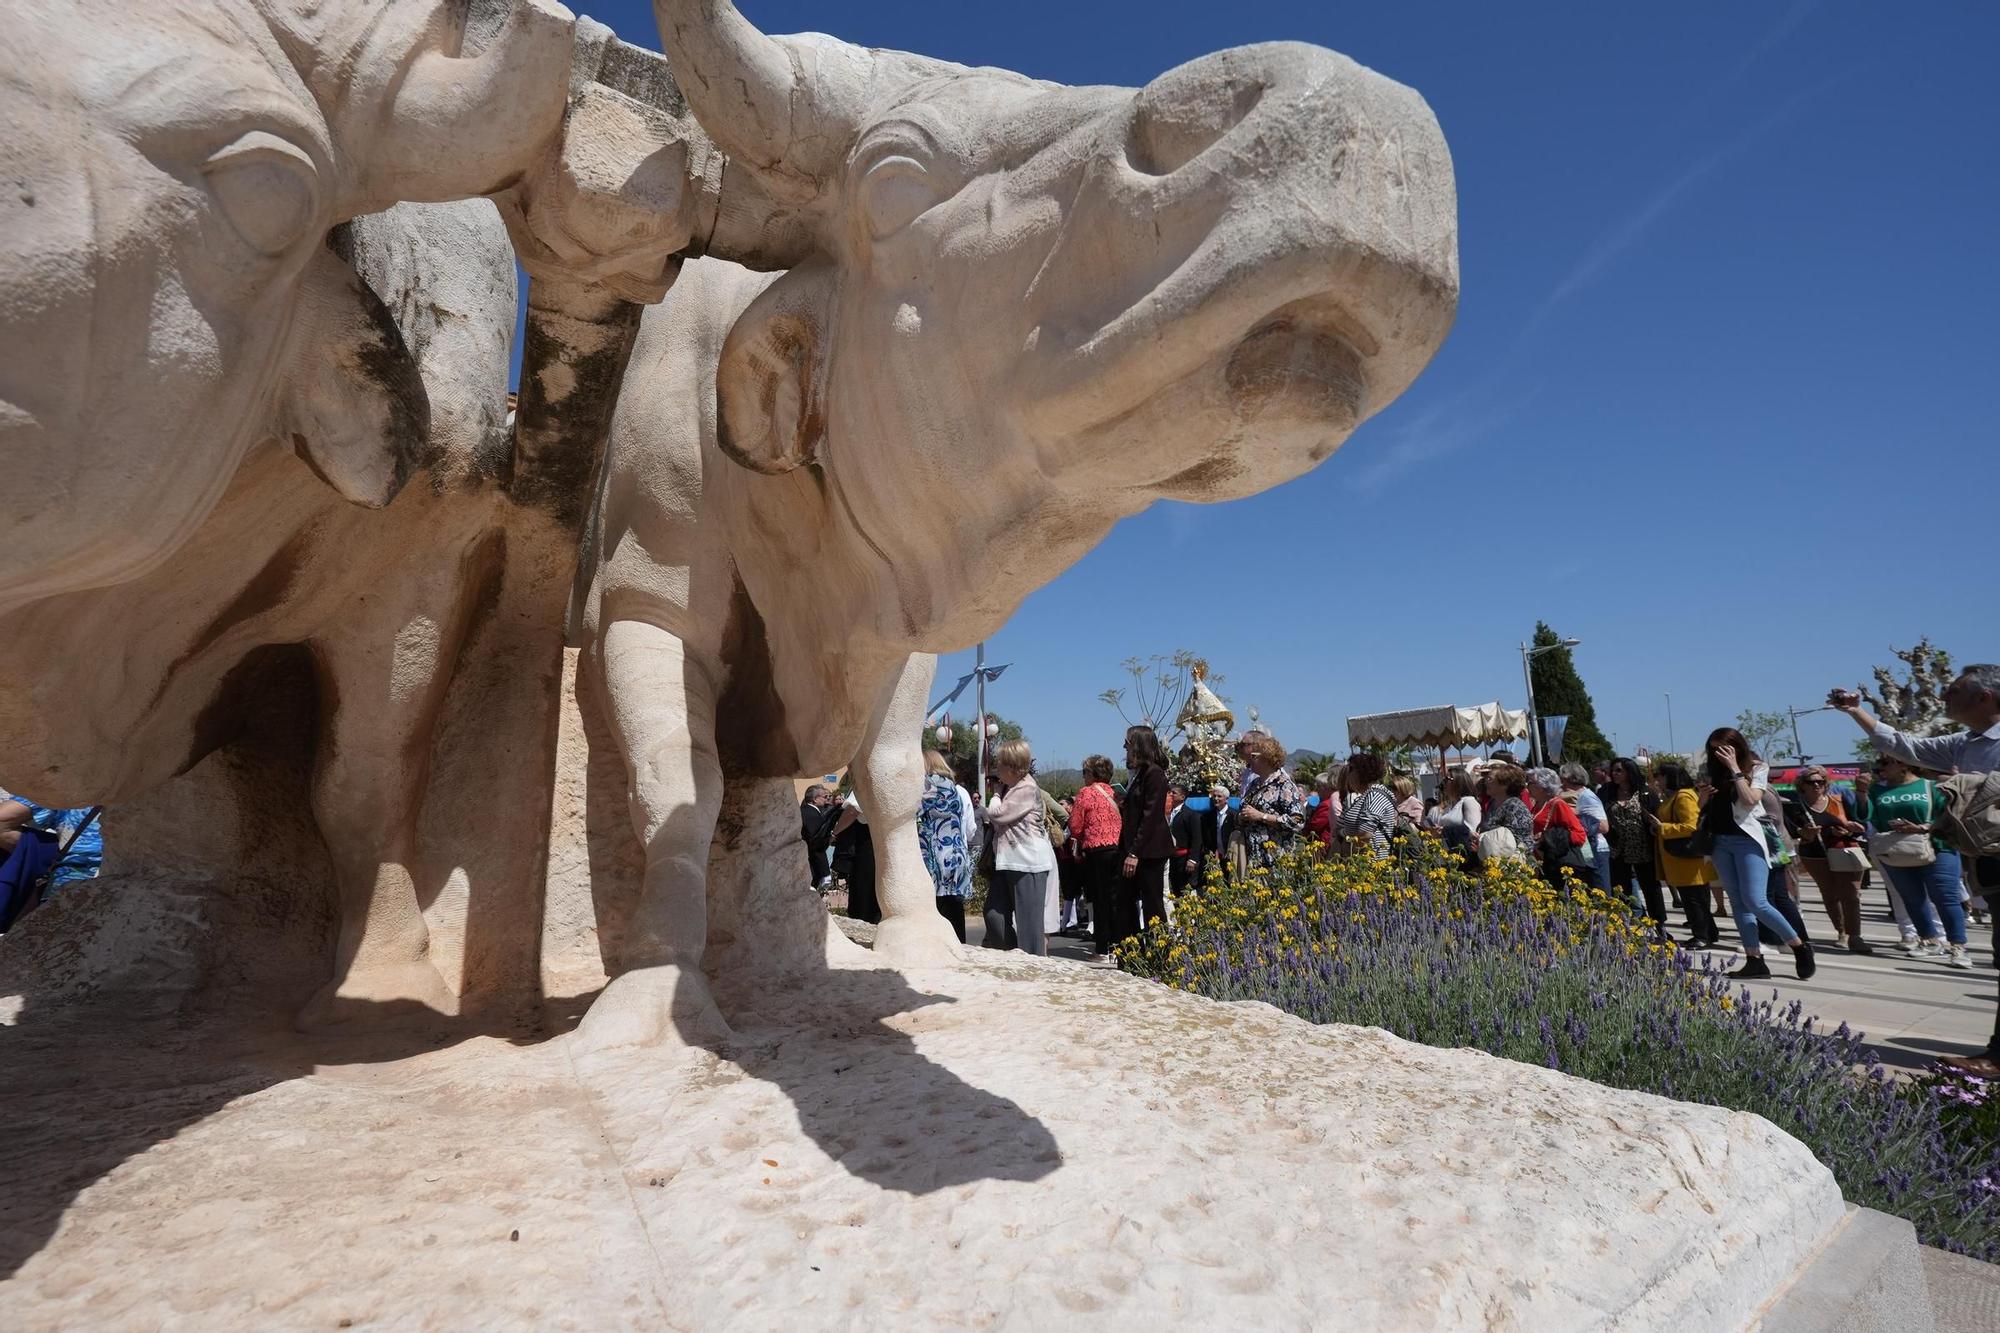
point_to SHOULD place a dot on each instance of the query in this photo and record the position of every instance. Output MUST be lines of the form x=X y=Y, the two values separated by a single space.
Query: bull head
x=1054 y=301
x=169 y=179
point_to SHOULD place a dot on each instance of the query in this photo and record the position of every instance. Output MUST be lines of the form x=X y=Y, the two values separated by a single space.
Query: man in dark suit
x=816 y=816
x=1185 y=827
x=1216 y=826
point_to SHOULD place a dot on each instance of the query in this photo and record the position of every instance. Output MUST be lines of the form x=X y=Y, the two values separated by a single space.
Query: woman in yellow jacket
x=1689 y=877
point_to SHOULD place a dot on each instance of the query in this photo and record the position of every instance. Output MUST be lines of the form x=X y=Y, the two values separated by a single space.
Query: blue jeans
x=1603 y=864
x=1932 y=886
x=1744 y=865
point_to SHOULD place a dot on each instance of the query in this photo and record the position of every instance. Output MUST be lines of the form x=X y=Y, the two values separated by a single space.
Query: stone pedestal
x=1020 y=1142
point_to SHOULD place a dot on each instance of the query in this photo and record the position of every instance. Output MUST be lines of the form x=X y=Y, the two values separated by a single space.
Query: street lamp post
x=1535 y=751
x=979 y=666
x=1671 y=747
x=1798 y=747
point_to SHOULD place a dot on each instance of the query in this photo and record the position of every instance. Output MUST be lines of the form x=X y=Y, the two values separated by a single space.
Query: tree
x=1559 y=691
x=1915 y=704
x=1765 y=731
x=963 y=751
x=1159 y=687
x=1306 y=766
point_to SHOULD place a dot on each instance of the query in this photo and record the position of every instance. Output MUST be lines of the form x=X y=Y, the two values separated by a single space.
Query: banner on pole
x=1552 y=735
x=992 y=673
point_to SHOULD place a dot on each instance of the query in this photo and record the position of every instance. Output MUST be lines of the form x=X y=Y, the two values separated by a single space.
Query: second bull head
x=1053 y=302
x=168 y=297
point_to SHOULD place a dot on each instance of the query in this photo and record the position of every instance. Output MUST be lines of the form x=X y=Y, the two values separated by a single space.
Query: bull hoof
x=922 y=940
x=372 y=994
x=654 y=1006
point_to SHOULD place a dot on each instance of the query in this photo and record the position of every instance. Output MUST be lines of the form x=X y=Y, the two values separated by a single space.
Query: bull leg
x=889 y=781
x=384 y=694
x=662 y=710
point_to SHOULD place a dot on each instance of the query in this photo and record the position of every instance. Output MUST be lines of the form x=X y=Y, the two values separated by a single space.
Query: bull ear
x=770 y=383
x=354 y=404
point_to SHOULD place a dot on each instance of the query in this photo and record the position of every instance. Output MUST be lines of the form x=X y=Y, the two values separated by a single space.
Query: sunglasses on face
x=1812 y=782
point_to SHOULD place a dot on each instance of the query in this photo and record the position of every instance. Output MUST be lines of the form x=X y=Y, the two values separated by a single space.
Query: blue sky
x=1718 y=401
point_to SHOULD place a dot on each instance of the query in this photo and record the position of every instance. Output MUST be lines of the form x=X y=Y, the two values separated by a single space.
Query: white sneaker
x=1958 y=957
x=1908 y=944
x=1928 y=949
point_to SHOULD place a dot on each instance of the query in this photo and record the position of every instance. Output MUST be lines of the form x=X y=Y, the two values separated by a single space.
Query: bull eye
x=267 y=188
x=895 y=193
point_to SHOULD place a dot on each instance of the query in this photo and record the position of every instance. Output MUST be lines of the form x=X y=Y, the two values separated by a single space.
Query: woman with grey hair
x=1559 y=835
x=1023 y=857
x=1590 y=810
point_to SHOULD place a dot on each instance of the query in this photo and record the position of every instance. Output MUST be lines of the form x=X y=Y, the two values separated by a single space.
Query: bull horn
x=749 y=91
x=448 y=124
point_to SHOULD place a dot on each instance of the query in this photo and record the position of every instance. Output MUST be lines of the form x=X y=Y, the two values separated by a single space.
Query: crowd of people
x=1713 y=839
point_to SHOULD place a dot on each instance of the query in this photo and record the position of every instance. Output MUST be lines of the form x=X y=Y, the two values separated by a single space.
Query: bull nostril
x=1175 y=124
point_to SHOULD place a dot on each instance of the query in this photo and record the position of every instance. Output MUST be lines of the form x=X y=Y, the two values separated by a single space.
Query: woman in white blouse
x=1017 y=897
x=1733 y=817
x=1456 y=804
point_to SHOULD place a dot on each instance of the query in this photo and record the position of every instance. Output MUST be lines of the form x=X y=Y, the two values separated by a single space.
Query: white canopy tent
x=1439 y=728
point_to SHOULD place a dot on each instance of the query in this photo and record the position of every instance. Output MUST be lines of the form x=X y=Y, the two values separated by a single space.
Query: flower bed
x=1505 y=963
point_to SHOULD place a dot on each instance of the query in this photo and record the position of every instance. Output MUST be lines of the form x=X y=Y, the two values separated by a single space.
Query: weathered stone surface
x=168 y=300
x=1868 y=1277
x=1013 y=1142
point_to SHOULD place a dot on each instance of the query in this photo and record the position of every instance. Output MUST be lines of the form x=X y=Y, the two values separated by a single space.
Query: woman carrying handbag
x=1925 y=873
x=1829 y=847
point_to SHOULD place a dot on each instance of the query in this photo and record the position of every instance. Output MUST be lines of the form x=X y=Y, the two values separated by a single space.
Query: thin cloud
x=1627 y=231
x=1779 y=33
x=1497 y=398
x=1445 y=429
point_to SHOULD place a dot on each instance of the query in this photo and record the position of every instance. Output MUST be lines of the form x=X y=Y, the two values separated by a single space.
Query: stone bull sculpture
x=1014 y=313
x=304 y=367
x=1006 y=314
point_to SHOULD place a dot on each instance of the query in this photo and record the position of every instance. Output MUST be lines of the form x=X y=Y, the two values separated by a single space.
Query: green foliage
x=963 y=750
x=1504 y=963
x=1559 y=692
x=1769 y=734
x=1405 y=758
x=1306 y=770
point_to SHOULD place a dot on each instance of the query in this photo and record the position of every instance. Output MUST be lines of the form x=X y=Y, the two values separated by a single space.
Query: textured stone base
x=1965 y=1293
x=1018 y=1142
x=1869 y=1278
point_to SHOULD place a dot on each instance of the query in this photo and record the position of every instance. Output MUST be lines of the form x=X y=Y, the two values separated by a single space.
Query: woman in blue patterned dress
x=948 y=834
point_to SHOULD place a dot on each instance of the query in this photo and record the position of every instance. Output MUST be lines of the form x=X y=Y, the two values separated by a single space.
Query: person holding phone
x=1733 y=819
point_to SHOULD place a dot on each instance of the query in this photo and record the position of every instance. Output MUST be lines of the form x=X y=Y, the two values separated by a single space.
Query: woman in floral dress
x=1274 y=809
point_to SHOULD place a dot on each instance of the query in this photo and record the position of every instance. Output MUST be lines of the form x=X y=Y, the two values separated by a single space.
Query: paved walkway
x=1911 y=1011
